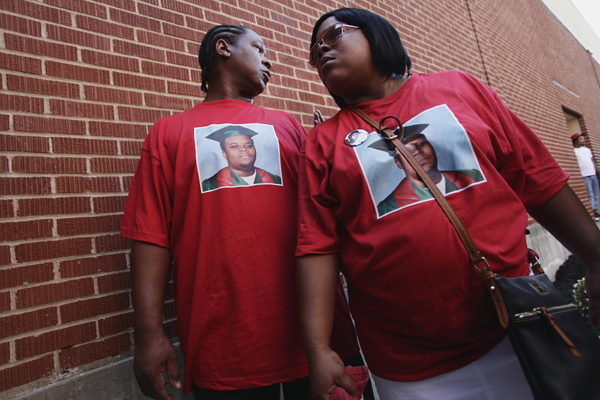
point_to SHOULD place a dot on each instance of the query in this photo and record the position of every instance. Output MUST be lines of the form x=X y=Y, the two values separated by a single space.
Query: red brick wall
x=81 y=83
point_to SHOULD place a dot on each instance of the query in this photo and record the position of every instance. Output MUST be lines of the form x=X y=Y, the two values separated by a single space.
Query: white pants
x=495 y=376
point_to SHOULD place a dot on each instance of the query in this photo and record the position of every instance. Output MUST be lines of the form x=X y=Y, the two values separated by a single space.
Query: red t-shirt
x=418 y=304
x=232 y=247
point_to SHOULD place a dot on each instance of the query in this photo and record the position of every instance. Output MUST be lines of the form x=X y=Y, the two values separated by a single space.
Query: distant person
x=585 y=159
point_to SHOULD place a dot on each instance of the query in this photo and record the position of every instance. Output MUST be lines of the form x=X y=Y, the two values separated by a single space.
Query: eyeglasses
x=330 y=37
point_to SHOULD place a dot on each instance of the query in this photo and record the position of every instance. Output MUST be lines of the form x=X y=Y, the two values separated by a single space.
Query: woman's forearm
x=316 y=283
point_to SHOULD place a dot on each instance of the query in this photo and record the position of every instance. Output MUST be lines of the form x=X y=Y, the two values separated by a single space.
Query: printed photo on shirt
x=233 y=156
x=442 y=147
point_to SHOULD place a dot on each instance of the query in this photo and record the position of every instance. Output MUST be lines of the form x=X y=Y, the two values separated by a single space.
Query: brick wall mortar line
x=56 y=270
x=15 y=206
x=62 y=325
x=111 y=85
x=13 y=298
x=13 y=154
x=96 y=340
x=11 y=313
x=65 y=175
x=61 y=238
x=82 y=96
x=56 y=360
x=64 y=196
x=94 y=250
x=13 y=352
x=14 y=362
x=2 y=42
x=34 y=218
x=13 y=257
x=59 y=317
x=60 y=196
x=58 y=304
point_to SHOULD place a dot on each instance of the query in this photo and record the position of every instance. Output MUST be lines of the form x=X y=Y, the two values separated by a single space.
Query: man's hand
x=153 y=355
x=318 y=117
x=326 y=372
x=154 y=352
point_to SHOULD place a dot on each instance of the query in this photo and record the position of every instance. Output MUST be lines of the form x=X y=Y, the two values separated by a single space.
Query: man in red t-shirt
x=230 y=248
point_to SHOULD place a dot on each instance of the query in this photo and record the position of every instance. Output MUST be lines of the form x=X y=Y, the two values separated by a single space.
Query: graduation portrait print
x=236 y=156
x=442 y=147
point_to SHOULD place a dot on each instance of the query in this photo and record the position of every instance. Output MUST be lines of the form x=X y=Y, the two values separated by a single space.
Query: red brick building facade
x=82 y=82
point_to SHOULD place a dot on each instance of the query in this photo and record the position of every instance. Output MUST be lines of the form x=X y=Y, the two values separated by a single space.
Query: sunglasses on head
x=330 y=37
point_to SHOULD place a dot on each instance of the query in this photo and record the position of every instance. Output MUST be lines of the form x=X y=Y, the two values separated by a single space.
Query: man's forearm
x=150 y=268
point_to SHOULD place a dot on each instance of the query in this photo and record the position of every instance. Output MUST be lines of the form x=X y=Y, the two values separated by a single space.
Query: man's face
x=422 y=150
x=240 y=152
x=249 y=60
x=581 y=140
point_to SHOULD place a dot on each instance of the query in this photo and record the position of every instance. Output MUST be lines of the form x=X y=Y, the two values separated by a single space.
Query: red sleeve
x=517 y=152
x=148 y=211
x=530 y=170
x=316 y=220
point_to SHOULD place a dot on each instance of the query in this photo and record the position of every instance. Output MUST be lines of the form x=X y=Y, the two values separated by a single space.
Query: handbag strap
x=477 y=260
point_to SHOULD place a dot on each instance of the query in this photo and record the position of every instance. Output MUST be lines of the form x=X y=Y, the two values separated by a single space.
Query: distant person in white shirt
x=588 y=170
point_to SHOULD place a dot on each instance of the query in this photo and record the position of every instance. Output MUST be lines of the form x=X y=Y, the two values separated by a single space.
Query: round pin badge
x=356 y=137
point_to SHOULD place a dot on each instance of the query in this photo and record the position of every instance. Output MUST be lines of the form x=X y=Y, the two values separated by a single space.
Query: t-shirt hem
x=433 y=371
x=144 y=237
x=546 y=195
x=305 y=251
x=236 y=384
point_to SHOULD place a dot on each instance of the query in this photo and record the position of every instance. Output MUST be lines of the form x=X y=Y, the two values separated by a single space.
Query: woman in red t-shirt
x=390 y=260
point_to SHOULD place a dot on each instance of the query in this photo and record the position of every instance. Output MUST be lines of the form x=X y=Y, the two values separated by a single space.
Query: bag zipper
x=538 y=310
x=546 y=314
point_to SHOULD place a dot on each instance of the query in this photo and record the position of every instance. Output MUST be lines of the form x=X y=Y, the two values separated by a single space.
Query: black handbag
x=558 y=351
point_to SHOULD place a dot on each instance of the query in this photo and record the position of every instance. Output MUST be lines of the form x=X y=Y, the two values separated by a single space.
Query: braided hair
x=229 y=33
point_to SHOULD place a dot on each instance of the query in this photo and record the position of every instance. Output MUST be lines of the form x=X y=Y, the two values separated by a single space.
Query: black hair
x=387 y=50
x=229 y=33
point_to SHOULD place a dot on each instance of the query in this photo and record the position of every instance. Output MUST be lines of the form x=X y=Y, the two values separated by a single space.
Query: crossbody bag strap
x=479 y=262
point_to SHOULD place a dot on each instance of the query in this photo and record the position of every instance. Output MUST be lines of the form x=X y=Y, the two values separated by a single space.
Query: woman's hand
x=327 y=371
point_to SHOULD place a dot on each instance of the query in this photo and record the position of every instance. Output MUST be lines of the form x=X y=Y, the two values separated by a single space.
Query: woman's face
x=346 y=66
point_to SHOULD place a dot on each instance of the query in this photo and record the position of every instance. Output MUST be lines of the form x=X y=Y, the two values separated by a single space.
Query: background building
x=82 y=82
